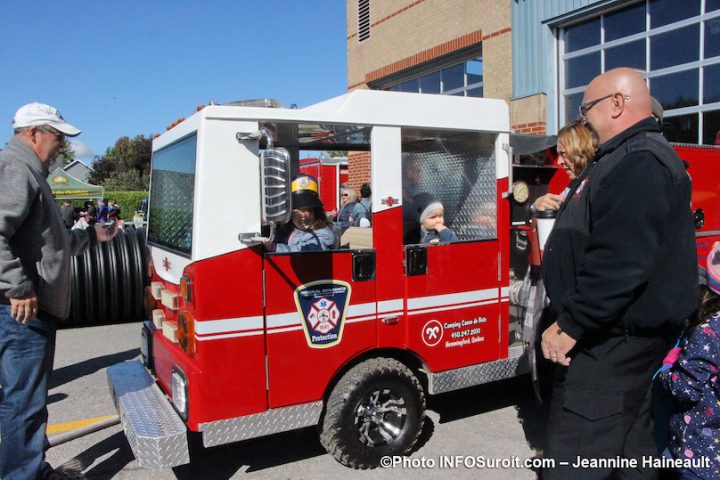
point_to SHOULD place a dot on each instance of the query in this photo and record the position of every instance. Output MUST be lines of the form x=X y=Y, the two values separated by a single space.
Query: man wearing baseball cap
x=35 y=251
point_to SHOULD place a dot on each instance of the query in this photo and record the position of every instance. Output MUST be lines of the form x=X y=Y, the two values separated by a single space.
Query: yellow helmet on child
x=305 y=192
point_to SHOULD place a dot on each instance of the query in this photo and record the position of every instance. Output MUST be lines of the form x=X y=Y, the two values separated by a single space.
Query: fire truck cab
x=243 y=343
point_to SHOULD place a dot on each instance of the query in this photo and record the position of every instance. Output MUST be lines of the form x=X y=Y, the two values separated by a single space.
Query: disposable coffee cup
x=545 y=220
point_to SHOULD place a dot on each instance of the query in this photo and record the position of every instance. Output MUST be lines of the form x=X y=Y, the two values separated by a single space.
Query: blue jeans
x=26 y=359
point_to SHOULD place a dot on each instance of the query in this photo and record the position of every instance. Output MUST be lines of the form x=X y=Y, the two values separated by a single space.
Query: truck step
x=157 y=435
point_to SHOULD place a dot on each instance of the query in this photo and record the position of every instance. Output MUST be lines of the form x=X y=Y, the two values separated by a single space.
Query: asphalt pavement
x=487 y=432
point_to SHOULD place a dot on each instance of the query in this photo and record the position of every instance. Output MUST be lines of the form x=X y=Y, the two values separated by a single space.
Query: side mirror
x=276 y=182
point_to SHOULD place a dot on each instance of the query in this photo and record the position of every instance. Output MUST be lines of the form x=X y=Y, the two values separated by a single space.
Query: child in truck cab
x=308 y=229
x=431 y=216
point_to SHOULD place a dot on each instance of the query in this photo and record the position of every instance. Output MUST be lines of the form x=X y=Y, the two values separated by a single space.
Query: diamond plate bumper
x=157 y=435
x=447 y=381
x=258 y=425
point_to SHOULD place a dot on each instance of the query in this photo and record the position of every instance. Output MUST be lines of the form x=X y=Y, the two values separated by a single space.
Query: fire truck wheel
x=376 y=409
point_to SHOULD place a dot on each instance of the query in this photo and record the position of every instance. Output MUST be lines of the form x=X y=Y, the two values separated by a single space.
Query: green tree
x=129 y=180
x=126 y=165
x=66 y=154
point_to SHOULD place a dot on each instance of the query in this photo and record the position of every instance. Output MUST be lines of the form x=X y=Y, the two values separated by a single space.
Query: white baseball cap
x=37 y=114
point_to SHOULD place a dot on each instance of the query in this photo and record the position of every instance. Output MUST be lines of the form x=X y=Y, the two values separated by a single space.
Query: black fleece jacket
x=621 y=257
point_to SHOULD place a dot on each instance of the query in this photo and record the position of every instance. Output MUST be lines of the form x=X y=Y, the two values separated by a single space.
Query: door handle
x=363 y=265
x=416 y=260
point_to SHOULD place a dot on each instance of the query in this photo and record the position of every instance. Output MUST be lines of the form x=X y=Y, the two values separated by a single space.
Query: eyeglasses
x=344 y=195
x=58 y=135
x=585 y=107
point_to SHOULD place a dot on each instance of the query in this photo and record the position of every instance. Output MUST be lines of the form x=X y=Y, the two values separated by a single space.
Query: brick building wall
x=411 y=33
x=358 y=170
x=527 y=115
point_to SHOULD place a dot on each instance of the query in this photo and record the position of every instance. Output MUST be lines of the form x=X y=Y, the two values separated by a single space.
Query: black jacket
x=622 y=257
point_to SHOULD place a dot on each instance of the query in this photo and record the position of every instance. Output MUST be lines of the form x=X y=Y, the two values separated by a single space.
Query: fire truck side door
x=452 y=289
x=320 y=311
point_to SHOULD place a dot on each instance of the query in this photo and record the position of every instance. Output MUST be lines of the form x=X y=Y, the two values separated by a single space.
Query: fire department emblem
x=324 y=315
x=322 y=306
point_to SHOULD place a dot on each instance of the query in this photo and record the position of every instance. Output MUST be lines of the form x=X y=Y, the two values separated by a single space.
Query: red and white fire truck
x=331 y=173
x=242 y=343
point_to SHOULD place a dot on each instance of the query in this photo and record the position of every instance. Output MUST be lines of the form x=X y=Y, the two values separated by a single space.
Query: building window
x=363 y=20
x=463 y=79
x=676 y=44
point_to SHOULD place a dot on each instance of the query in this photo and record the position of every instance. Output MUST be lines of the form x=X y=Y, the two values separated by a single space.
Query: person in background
x=347 y=207
x=67 y=213
x=35 y=251
x=431 y=217
x=690 y=374
x=113 y=211
x=308 y=229
x=363 y=208
x=103 y=213
x=90 y=212
x=575 y=148
x=657 y=111
x=411 y=187
x=620 y=271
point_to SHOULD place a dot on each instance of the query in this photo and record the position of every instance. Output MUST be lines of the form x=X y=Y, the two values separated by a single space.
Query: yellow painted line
x=74 y=425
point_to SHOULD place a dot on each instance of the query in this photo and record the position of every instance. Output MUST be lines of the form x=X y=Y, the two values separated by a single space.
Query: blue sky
x=131 y=67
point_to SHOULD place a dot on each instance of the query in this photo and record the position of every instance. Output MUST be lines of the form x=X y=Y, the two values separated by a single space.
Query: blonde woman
x=574 y=148
x=348 y=201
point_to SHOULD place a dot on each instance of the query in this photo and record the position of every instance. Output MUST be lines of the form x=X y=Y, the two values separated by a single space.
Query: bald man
x=620 y=272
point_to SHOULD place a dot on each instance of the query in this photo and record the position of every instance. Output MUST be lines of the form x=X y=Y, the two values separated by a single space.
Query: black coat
x=622 y=255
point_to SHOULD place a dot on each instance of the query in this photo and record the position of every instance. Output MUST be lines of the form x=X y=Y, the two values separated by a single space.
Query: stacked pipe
x=108 y=281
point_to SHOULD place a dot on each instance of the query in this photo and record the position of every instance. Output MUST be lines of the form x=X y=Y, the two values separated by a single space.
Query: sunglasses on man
x=58 y=135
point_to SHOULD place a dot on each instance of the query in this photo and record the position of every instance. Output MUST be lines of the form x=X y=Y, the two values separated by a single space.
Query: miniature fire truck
x=243 y=343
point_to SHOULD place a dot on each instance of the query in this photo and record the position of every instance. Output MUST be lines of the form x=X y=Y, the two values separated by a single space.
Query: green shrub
x=128 y=201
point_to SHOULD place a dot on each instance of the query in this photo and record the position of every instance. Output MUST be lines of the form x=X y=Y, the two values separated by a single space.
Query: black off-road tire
x=376 y=409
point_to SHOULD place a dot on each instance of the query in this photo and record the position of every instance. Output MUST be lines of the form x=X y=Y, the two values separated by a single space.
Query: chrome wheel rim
x=380 y=417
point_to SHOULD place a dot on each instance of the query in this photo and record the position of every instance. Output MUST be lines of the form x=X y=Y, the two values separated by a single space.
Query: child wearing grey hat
x=431 y=216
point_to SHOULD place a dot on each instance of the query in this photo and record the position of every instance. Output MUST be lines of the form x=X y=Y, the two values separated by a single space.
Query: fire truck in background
x=331 y=173
x=242 y=343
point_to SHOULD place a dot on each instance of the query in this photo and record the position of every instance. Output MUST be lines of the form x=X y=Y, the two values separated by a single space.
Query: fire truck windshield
x=171 y=196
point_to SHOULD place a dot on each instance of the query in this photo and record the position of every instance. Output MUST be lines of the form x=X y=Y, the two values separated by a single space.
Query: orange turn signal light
x=186 y=288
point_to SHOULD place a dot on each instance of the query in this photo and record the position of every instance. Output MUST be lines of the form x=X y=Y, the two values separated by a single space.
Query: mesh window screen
x=171 y=199
x=458 y=169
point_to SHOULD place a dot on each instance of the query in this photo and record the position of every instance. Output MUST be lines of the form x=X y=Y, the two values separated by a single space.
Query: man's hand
x=105 y=233
x=556 y=344
x=24 y=309
x=549 y=201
